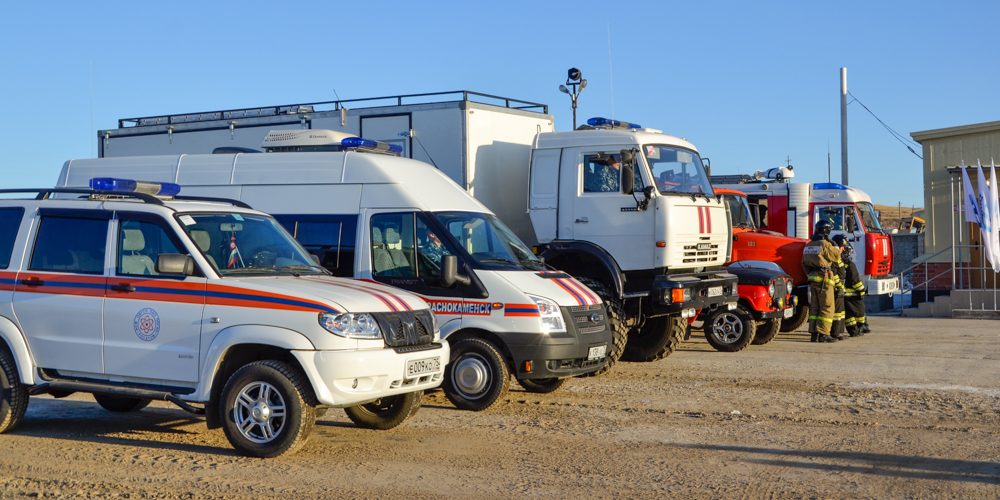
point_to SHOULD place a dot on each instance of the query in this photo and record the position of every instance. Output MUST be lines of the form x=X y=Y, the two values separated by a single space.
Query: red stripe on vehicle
x=579 y=299
x=586 y=291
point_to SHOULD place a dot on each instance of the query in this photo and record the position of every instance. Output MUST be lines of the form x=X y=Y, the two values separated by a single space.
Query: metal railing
x=962 y=273
x=902 y=279
x=310 y=107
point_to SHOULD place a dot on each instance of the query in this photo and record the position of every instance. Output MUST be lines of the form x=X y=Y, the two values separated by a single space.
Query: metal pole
x=951 y=181
x=843 y=127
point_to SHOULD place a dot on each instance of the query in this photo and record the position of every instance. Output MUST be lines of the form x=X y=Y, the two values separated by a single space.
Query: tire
x=797 y=320
x=13 y=394
x=656 y=339
x=118 y=404
x=477 y=376
x=255 y=389
x=543 y=385
x=385 y=413
x=730 y=330
x=616 y=317
x=766 y=331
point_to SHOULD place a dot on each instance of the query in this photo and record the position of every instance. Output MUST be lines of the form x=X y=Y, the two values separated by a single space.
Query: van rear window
x=10 y=221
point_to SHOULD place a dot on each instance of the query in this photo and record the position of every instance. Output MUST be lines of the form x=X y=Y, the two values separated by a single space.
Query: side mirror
x=628 y=158
x=175 y=263
x=628 y=179
x=708 y=167
x=449 y=272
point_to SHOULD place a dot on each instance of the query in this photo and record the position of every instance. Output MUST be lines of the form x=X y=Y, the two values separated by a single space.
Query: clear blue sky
x=749 y=83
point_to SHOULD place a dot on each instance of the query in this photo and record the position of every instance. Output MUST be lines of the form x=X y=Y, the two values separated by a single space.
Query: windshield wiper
x=262 y=269
x=321 y=269
x=501 y=261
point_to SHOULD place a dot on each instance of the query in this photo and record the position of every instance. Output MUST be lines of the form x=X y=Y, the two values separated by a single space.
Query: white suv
x=205 y=303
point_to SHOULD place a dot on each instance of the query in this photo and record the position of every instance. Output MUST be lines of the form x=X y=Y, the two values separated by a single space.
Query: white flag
x=971 y=205
x=986 y=224
x=994 y=212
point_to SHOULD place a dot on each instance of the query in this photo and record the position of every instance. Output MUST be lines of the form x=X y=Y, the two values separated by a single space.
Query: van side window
x=392 y=245
x=330 y=237
x=139 y=242
x=70 y=245
x=10 y=221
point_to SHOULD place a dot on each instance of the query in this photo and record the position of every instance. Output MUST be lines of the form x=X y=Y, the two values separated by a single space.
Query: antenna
x=91 y=119
x=828 y=178
x=611 y=73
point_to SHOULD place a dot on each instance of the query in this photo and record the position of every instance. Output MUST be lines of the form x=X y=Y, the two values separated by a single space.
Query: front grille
x=406 y=328
x=693 y=254
x=583 y=318
x=416 y=348
x=586 y=319
x=591 y=329
x=578 y=309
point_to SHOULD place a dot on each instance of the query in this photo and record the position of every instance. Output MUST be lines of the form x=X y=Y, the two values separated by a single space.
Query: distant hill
x=891 y=215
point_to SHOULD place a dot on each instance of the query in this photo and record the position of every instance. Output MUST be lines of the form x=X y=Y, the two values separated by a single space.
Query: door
x=152 y=322
x=600 y=212
x=387 y=128
x=844 y=219
x=59 y=293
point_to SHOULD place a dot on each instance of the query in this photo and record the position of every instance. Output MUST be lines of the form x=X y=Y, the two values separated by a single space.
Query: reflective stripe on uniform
x=820 y=318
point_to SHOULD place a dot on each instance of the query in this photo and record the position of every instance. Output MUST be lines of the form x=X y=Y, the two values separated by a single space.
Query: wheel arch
x=578 y=258
x=11 y=335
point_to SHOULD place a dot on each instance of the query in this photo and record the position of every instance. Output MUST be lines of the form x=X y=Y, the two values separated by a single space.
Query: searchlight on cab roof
x=134 y=186
x=281 y=141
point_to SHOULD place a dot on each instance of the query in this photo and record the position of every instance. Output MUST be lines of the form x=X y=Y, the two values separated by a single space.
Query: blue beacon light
x=134 y=186
x=357 y=142
x=605 y=122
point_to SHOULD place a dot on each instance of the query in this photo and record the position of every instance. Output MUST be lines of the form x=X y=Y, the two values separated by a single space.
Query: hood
x=555 y=285
x=325 y=292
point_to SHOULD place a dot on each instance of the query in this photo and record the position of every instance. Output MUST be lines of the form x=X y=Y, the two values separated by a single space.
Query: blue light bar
x=829 y=185
x=133 y=186
x=370 y=145
x=605 y=122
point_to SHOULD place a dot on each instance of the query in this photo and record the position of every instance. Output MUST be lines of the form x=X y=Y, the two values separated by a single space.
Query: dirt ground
x=910 y=411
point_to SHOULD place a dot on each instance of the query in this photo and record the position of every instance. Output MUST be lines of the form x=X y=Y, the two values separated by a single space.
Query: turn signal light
x=527 y=366
x=677 y=294
x=661 y=244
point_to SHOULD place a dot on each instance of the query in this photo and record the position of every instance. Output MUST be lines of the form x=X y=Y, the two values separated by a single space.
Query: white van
x=401 y=222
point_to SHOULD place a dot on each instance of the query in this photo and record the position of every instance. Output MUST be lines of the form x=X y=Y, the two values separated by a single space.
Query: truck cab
x=631 y=212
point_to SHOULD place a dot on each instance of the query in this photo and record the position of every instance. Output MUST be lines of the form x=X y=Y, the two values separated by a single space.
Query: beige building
x=943 y=151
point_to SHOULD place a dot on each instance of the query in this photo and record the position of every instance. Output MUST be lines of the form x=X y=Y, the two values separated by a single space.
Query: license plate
x=417 y=367
x=715 y=291
x=597 y=352
x=789 y=312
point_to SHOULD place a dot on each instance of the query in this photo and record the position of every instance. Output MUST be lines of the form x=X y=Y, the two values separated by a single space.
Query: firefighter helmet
x=823 y=229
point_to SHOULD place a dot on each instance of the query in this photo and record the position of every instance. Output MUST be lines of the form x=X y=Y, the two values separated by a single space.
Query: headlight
x=770 y=290
x=351 y=326
x=552 y=320
x=788 y=285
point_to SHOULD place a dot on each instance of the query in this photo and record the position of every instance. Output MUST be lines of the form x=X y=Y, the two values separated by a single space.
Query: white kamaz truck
x=628 y=211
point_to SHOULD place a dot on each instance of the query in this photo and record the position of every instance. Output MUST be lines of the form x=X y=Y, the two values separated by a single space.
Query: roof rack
x=45 y=193
x=295 y=109
x=733 y=179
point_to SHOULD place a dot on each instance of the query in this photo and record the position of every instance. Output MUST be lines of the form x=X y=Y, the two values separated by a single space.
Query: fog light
x=732 y=305
x=687 y=313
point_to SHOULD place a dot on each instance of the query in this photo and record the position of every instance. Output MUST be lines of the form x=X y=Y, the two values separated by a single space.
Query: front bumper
x=559 y=355
x=882 y=285
x=699 y=285
x=351 y=377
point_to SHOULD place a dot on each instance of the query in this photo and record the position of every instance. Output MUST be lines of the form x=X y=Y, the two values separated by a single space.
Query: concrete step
x=974 y=299
x=913 y=312
x=942 y=306
x=925 y=310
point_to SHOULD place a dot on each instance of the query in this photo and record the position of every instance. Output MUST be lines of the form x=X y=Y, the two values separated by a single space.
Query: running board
x=96 y=387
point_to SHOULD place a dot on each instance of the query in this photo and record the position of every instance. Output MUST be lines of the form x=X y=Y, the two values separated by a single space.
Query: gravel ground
x=910 y=411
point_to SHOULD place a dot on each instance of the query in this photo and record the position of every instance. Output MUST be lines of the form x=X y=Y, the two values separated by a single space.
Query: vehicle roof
x=73 y=200
x=601 y=137
x=409 y=182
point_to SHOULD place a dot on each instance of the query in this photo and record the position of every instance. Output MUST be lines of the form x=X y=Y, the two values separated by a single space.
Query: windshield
x=869 y=218
x=243 y=244
x=488 y=241
x=739 y=209
x=677 y=170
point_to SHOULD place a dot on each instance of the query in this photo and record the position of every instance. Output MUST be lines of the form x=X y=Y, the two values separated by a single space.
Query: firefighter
x=839 y=268
x=854 y=292
x=817 y=258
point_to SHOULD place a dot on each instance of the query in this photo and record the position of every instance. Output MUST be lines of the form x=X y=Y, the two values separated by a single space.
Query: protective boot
x=826 y=338
x=841 y=336
x=814 y=337
x=864 y=327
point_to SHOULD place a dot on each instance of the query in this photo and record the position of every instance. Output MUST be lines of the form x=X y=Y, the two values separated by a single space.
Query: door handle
x=123 y=288
x=582 y=220
x=32 y=282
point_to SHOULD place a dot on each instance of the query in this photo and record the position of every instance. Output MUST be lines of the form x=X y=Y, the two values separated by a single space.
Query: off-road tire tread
x=766 y=331
x=616 y=315
x=797 y=319
x=367 y=420
x=749 y=327
x=504 y=379
x=634 y=351
x=116 y=404
x=537 y=388
x=306 y=400
x=11 y=410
